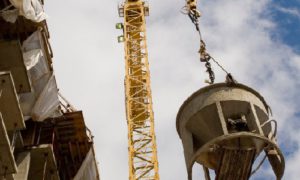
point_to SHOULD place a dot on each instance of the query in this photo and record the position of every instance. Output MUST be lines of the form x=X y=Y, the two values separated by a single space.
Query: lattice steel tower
x=143 y=162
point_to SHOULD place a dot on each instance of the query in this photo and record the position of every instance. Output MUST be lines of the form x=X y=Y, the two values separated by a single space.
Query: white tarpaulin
x=88 y=169
x=31 y=58
x=39 y=75
x=34 y=41
x=47 y=101
x=30 y=9
x=42 y=102
x=10 y=15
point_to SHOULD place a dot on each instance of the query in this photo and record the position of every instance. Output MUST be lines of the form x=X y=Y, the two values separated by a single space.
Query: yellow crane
x=143 y=163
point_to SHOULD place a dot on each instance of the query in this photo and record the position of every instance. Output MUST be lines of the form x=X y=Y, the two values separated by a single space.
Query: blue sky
x=286 y=14
x=288 y=29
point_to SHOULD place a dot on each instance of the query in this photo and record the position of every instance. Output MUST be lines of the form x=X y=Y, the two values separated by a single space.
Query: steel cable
x=204 y=56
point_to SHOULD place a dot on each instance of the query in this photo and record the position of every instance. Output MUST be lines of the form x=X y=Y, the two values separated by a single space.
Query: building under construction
x=41 y=135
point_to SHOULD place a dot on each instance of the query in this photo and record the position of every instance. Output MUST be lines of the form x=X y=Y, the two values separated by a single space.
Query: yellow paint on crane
x=143 y=163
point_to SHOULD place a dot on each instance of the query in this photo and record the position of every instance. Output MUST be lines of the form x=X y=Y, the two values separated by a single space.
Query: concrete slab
x=43 y=164
x=11 y=59
x=23 y=163
x=7 y=161
x=9 y=103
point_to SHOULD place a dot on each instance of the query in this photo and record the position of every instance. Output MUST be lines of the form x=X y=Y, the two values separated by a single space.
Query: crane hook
x=191 y=6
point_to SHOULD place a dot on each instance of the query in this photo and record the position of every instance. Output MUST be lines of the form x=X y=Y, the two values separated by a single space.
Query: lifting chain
x=191 y=10
x=205 y=57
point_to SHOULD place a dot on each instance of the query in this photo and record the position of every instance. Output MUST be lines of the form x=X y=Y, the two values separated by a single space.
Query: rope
x=220 y=65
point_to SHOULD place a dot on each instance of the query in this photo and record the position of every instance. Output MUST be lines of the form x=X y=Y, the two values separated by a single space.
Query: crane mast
x=143 y=162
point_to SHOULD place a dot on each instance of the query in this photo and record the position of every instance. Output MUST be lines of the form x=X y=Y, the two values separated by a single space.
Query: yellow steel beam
x=143 y=164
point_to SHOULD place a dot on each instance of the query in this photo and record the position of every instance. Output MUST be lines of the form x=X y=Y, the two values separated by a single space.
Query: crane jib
x=143 y=163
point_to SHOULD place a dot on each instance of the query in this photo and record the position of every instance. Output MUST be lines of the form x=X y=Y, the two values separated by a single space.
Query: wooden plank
x=235 y=164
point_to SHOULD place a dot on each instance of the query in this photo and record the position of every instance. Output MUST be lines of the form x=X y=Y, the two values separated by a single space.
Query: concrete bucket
x=225 y=128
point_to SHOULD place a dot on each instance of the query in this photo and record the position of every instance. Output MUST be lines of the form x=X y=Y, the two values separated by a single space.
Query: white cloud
x=290 y=11
x=89 y=66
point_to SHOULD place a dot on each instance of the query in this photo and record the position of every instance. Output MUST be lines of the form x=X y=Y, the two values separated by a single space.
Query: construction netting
x=42 y=102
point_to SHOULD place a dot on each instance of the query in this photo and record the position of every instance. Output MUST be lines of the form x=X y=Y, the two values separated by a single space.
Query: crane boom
x=143 y=162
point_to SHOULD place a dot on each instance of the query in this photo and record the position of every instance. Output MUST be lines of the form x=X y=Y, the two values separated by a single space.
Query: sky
x=257 y=41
